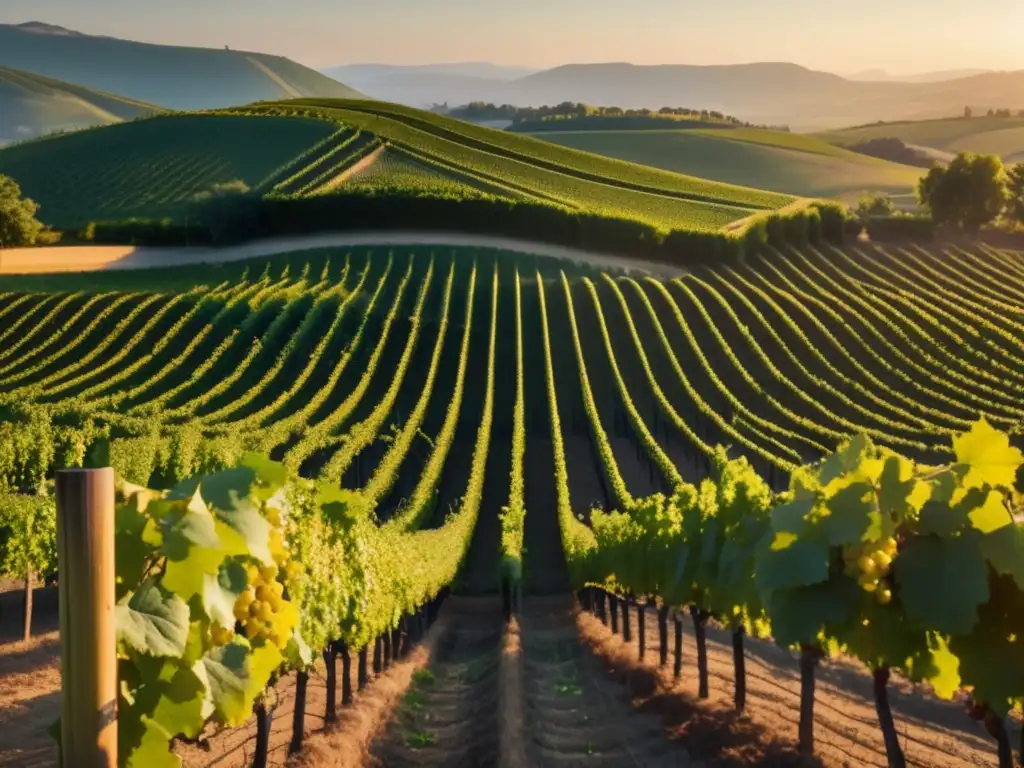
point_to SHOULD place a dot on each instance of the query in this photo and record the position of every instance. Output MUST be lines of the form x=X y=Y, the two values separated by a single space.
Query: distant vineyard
x=442 y=386
x=156 y=168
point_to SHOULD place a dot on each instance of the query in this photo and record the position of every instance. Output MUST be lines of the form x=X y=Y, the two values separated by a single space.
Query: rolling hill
x=1003 y=136
x=172 y=76
x=426 y=85
x=32 y=105
x=153 y=168
x=767 y=93
x=791 y=163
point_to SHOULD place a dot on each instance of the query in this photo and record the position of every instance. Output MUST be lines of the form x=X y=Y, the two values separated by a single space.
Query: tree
x=18 y=223
x=873 y=206
x=968 y=193
x=1015 y=192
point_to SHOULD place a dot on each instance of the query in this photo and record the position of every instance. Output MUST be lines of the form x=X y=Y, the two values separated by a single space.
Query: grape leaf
x=791 y=516
x=131 y=552
x=986 y=456
x=153 y=621
x=798 y=614
x=803 y=562
x=940 y=519
x=184 y=703
x=938 y=665
x=237 y=673
x=153 y=750
x=942 y=582
x=851 y=509
x=221 y=591
x=991 y=515
x=1004 y=549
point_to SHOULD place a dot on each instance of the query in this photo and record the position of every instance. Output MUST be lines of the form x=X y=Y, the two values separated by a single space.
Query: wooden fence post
x=88 y=630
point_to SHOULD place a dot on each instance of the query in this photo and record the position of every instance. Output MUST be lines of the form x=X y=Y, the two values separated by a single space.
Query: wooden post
x=88 y=632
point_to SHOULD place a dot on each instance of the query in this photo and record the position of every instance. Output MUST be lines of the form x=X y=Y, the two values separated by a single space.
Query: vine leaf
x=986 y=456
x=991 y=515
x=803 y=562
x=152 y=750
x=942 y=582
x=153 y=621
x=1004 y=549
x=852 y=514
x=237 y=673
x=798 y=614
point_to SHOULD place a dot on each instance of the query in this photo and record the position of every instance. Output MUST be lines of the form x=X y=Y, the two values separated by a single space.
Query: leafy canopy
x=18 y=223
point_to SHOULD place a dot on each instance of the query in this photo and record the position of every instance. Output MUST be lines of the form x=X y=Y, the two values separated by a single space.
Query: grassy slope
x=791 y=163
x=31 y=105
x=151 y=168
x=574 y=178
x=1003 y=136
x=173 y=76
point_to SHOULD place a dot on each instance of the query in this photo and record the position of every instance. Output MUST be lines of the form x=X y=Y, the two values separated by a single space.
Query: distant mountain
x=881 y=76
x=428 y=84
x=476 y=69
x=172 y=76
x=767 y=93
x=32 y=105
x=774 y=93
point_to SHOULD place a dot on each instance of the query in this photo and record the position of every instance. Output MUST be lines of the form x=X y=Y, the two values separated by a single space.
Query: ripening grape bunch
x=870 y=563
x=262 y=609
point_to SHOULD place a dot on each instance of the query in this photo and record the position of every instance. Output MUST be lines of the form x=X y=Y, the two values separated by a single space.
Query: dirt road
x=87 y=258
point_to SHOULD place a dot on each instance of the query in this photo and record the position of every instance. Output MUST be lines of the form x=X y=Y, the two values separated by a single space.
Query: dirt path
x=346 y=174
x=449 y=715
x=575 y=713
x=933 y=733
x=88 y=258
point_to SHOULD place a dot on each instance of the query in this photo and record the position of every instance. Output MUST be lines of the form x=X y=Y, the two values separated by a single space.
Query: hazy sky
x=901 y=36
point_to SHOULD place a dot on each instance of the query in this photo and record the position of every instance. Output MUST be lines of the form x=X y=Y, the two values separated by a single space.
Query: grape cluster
x=259 y=606
x=870 y=563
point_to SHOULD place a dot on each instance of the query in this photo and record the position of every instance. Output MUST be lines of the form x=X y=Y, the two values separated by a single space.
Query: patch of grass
x=568 y=685
x=420 y=739
x=423 y=678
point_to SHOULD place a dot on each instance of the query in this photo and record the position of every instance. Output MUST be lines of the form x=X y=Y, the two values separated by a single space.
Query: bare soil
x=449 y=717
x=88 y=258
x=576 y=713
x=932 y=732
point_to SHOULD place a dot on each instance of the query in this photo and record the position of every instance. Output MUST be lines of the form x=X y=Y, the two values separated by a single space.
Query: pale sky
x=901 y=36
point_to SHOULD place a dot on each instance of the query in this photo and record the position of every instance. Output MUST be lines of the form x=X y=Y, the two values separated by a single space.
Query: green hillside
x=92 y=176
x=31 y=105
x=174 y=76
x=1003 y=136
x=791 y=163
x=152 y=168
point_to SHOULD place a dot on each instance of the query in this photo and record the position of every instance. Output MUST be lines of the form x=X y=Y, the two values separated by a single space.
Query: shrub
x=919 y=228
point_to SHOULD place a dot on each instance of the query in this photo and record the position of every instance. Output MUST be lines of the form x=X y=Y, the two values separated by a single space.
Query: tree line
x=568 y=110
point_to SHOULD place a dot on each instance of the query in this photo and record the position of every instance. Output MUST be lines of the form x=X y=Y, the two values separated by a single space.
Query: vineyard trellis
x=244 y=570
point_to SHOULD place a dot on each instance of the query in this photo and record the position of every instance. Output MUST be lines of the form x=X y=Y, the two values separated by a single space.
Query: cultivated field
x=1003 y=136
x=154 y=168
x=791 y=163
x=449 y=386
x=115 y=176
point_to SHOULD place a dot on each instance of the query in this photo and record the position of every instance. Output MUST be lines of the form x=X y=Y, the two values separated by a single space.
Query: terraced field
x=791 y=163
x=154 y=168
x=446 y=385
